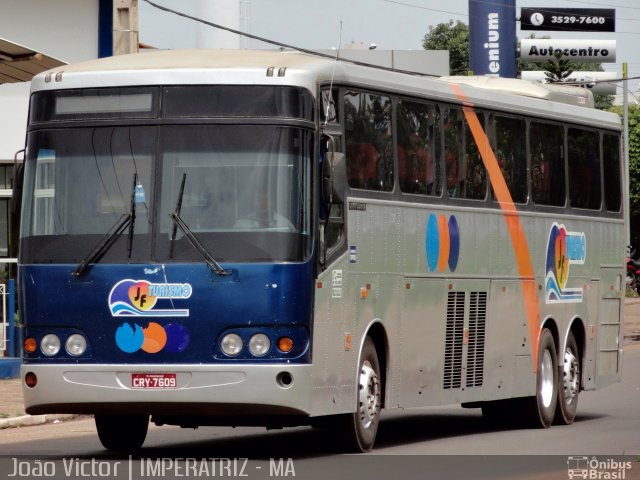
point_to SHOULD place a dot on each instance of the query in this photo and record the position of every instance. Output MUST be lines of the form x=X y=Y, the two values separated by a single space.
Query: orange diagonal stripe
x=512 y=219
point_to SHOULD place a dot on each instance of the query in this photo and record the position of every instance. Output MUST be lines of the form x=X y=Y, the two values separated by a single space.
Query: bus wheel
x=122 y=433
x=361 y=427
x=569 y=383
x=540 y=409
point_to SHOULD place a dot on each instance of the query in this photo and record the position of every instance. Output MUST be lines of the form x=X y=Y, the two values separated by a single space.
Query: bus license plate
x=153 y=380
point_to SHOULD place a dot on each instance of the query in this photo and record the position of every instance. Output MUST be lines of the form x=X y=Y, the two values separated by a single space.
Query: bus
x=275 y=239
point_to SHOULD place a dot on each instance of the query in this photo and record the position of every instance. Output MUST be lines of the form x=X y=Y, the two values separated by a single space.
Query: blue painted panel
x=176 y=312
x=105 y=28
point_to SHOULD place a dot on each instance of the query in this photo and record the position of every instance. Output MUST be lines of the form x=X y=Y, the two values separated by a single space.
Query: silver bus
x=277 y=239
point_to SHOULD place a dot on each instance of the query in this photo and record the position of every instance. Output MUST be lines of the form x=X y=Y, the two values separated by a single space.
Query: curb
x=29 y=420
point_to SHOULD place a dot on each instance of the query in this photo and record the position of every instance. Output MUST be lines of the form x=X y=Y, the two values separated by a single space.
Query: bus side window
x=418 y=170
x=511 y=154
x=547 y=164
x=369 y=141
x=332 y=220
x=612 y=183
x=453 y=135
x=474 y=171
x=584 y=168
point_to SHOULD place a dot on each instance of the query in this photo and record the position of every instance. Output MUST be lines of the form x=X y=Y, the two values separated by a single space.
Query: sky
x=390 y=24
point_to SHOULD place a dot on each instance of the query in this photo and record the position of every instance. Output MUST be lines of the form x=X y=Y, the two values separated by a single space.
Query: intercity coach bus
x=277 y=239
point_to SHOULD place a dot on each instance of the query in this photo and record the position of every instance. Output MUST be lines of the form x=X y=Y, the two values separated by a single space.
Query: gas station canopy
x=20 y=64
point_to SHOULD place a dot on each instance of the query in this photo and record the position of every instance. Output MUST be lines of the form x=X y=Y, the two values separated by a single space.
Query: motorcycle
x=633 y=272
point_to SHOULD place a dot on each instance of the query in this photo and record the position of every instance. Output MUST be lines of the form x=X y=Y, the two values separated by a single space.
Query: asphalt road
x=443 y=442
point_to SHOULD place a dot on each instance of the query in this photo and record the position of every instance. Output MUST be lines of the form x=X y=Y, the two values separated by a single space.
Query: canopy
x=20 y=64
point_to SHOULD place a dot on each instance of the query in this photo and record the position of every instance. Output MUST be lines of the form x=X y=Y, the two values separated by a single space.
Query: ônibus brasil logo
x=139 y=298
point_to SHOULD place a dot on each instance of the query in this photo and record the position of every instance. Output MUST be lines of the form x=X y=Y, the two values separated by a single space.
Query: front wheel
x=122 y=433
x=360 y=428
x=568 y=383
x=541 y=408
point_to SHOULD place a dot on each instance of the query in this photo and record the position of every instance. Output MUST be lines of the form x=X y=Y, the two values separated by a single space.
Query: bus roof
x=202 y=66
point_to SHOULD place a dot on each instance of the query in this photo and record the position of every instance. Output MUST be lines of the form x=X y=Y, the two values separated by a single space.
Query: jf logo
x=140 y=298
x=442 y=243
x=563 y=249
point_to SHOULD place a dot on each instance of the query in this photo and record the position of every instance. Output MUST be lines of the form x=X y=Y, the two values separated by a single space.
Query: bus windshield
x=246 y=192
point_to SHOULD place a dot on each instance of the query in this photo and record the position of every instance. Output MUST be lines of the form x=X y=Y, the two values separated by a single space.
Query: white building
x=34 y=34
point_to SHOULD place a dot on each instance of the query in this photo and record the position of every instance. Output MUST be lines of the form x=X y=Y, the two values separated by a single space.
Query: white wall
x=64 y=29
x=14 y=104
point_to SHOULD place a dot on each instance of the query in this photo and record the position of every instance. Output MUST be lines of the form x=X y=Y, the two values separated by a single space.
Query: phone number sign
x=568 y=19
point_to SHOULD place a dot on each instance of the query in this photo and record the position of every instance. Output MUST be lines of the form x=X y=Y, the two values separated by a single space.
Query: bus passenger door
x=608 y=328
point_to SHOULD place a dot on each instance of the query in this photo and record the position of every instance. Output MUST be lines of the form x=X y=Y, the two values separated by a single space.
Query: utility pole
x=125 y=27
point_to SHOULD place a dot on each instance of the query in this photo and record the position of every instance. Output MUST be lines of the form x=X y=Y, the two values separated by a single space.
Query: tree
x=602 y=102
x=558 y=69
x=634 y=157
x=453 y=37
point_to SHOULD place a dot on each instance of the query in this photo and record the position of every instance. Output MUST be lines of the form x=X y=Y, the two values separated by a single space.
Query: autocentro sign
x=539 y=50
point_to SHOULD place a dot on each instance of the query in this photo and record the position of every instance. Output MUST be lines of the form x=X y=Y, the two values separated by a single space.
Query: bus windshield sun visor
x=126 y=220
x=179 y=223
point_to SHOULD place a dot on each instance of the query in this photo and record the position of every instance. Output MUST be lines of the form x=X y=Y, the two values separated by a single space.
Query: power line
x=285 y=45
x=420 y=7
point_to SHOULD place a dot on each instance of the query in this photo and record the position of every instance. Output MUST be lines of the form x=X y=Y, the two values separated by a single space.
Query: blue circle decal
x=442 y=239
x=432 y=242
x=454 y=238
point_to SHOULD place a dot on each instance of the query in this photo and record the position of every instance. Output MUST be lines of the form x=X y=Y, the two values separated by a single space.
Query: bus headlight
x=231 y=344
x=75 y=345
x=259 y=344
x=50 y=345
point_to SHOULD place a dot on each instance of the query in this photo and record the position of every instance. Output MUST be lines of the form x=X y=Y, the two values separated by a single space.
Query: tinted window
x=511 y=154
x=369 y=142
x=547 y=164
x=418 y=171
x=465 y=171
x=329 y=110
x=453 y=152
x=473 y=166
x=237 y=101
x=96 y=103
x=584 y=168
x=611 y=161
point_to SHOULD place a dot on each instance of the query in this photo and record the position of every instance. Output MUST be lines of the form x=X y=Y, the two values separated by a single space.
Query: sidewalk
x=12 y=409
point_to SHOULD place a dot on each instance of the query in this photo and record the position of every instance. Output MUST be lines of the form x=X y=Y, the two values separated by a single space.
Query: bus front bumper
x=240 y=389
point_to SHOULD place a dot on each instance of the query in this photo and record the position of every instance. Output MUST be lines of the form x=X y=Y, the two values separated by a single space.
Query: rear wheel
x=122 y=433
x=541 y=408
x=569 y=383
x=360 y=428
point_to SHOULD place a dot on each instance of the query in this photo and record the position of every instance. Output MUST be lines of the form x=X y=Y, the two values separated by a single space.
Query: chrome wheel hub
x=546 y=374
x=571 y=372
x=368 y=395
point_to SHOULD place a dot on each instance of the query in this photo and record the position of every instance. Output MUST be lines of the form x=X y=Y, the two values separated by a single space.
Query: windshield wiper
x=132 y=211
x=127 y=220
x=105 y=244
x=179 y=223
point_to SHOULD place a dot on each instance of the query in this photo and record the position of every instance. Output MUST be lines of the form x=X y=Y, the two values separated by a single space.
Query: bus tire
x=568 y=383
x=540 y=409
x=360 y=428
x=122 y=433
